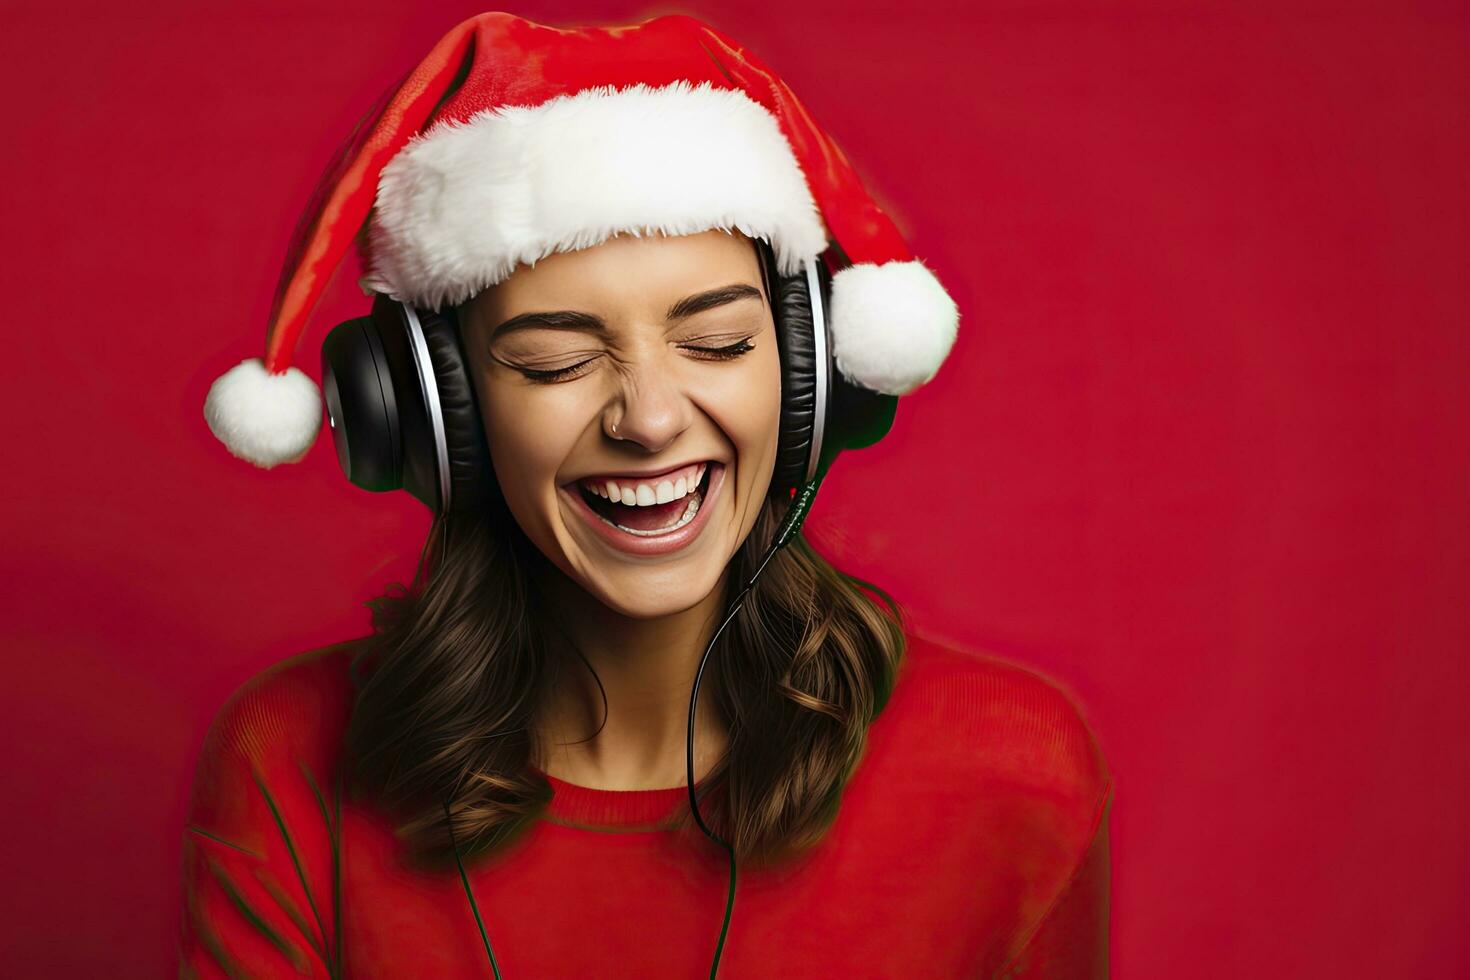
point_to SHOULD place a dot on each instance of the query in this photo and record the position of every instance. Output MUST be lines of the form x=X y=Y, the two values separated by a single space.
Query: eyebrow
x=576 y=320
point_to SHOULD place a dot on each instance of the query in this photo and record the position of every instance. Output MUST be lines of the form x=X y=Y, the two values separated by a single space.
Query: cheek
x=747 y=406
x=529 y=439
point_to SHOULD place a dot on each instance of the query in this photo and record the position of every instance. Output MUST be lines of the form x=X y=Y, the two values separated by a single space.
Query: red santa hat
x=512 y=141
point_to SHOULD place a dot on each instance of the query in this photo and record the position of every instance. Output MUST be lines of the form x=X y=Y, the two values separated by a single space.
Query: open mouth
x=649 y=508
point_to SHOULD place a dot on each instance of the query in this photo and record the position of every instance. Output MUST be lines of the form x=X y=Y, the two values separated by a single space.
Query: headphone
x=403 y=414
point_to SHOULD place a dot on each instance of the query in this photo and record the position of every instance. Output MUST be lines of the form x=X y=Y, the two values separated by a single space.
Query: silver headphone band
x=430 y=391
x=819 y=355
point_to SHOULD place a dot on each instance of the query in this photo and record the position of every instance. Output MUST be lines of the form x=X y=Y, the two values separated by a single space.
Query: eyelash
x=737 y=349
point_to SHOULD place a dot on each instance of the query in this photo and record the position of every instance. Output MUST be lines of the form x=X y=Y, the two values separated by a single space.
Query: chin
x=652 y=593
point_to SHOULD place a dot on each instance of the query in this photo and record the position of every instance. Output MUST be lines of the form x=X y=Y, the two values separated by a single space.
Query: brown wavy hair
x=448 y=684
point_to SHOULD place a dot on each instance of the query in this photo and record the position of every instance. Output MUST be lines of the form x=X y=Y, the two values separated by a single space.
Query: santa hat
x=512 y=141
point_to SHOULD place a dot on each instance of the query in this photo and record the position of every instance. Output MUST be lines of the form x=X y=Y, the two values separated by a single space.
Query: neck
x=647 y=669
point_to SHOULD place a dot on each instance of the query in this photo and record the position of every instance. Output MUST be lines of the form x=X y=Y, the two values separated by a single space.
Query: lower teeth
x=695 y=499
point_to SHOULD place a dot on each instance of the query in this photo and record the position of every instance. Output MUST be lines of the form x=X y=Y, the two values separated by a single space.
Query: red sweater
x=972 y=841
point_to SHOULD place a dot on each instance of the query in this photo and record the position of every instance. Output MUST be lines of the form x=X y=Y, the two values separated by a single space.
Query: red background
x=1200 y=453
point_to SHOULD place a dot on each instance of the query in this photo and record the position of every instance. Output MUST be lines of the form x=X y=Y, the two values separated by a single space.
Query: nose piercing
x=615 y=428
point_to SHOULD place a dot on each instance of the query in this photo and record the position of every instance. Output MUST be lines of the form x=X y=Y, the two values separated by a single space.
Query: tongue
x=649 y=518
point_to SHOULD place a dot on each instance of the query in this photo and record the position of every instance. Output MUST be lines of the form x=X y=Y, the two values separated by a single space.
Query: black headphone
x=403 y=411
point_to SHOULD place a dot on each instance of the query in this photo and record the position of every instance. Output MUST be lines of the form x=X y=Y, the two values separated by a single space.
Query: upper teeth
x=678 y=484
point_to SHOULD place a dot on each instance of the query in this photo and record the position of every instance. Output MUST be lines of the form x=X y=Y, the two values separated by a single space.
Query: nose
x=651 y=409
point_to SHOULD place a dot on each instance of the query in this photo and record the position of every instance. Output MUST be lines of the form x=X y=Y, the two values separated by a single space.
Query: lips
x=642 y=531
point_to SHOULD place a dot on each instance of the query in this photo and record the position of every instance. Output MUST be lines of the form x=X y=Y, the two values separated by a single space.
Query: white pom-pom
x=892 y=325
x=262 y=417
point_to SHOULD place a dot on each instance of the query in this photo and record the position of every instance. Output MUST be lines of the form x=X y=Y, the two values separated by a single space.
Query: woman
x=620 y=413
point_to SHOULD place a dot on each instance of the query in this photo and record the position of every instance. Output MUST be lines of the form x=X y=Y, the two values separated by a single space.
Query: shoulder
x=263 y=831
x=972 y=740
x=985 y=722
x=295 y=709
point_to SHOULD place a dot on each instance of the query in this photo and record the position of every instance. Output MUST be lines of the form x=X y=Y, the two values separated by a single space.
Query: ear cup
x=472 y=479
x=858 y=417
x=794 y=338
x=852 y=417
x=362 y=410
x=402 y=407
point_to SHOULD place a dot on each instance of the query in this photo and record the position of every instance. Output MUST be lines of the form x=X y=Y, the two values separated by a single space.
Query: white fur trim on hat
x=262 y=417
x=892 y=325
x=461 y=206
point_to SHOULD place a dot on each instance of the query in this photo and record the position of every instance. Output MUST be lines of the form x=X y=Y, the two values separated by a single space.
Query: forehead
x=627 y=273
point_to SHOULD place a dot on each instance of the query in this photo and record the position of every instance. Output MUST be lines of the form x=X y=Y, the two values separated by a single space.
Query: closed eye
x=724 y=353
x=555 y=374
x=728 y=352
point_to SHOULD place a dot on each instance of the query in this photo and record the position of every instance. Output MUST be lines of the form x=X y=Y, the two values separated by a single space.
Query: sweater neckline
x=620 y=809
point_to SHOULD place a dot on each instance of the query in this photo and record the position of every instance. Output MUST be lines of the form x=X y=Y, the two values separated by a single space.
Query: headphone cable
x=795 y=515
